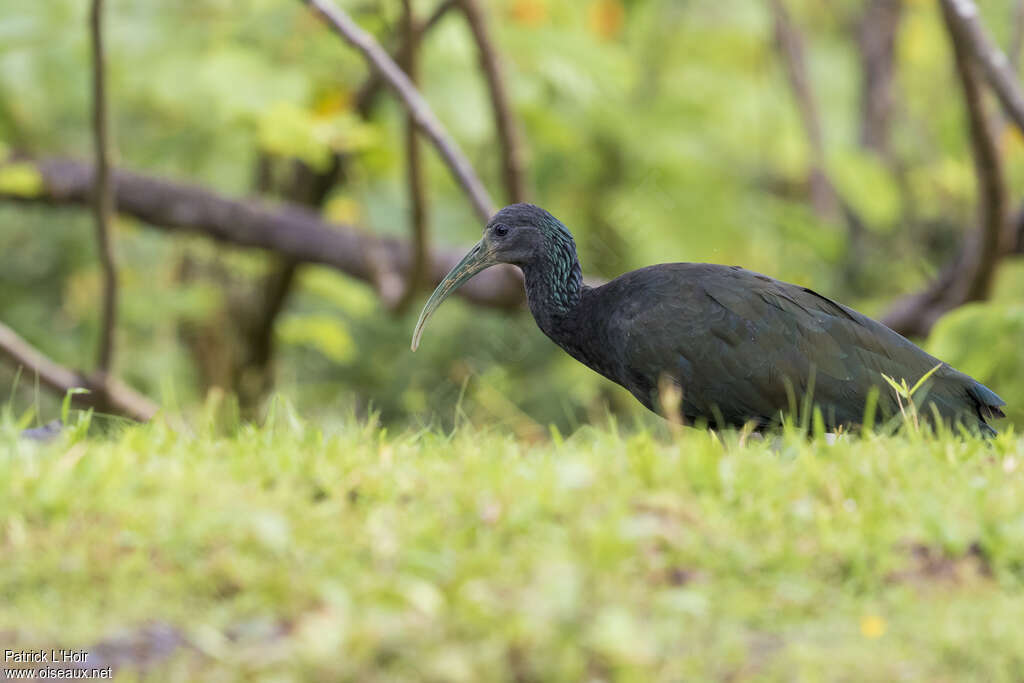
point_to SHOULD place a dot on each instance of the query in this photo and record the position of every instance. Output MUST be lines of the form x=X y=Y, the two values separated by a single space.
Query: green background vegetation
x=656 y=130
x=487 y=508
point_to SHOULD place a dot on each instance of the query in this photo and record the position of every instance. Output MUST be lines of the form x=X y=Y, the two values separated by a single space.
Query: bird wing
x=742 y=346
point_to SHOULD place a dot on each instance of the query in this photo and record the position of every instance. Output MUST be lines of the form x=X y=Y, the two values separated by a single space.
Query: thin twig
x=988 y=167
x=876 y=37
x=372 y=86
x=828 y=203
x=1013 y=50
x=504 y=121
x=104 y=192
x=412 y=33
x=112 y=396
x=251 y=374
x=970 y=275
x=791 y=49
x=994 y=64
x=414 y=103
x=1016 y=37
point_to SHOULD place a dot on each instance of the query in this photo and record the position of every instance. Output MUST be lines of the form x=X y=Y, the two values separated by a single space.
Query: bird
x=737 y=347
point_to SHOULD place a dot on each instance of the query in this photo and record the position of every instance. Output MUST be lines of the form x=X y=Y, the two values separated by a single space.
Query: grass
x=287 y=553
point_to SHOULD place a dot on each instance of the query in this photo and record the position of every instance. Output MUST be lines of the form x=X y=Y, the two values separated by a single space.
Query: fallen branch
x=970 y=275
x=290 y=231
x=414 y=103
x=105 y=394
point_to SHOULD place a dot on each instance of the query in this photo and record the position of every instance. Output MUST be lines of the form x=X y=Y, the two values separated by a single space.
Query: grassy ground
x=285 y=553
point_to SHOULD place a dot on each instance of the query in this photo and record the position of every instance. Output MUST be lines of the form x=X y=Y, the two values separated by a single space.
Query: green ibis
x=738 y=347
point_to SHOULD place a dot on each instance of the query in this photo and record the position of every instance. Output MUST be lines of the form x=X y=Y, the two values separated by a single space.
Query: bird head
x=518 y=234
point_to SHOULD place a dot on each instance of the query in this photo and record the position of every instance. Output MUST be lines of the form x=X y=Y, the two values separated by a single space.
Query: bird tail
x=988 y=401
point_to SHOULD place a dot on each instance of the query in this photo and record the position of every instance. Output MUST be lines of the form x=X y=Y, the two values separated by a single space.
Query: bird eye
x=500 y=230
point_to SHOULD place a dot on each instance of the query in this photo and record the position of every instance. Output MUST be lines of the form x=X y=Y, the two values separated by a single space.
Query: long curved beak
x=478 y=258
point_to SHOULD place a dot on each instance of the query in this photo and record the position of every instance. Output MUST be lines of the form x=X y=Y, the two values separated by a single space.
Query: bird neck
x=554 y=282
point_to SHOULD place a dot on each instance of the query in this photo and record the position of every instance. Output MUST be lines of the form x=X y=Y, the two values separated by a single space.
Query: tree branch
x=104 y=194
x=374 y=83
x=106 y=394
x=274 y=294
x=995 y=66
x=791 y=49
x=414 y=103
x=876 y=36
x=1017 y=233
x=1013 y=49
x=412 y=33
x=826 y=200
x=970 y=275
x=291 y=231
x=249 y=372
x=1016 y=37
x=504 y=121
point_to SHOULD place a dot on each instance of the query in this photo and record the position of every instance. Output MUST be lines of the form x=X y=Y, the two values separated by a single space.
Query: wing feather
x=738 y=344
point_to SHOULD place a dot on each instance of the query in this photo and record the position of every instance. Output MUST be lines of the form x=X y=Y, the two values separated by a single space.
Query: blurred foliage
x=21 y=180
x=984 y=340
x=657 y=129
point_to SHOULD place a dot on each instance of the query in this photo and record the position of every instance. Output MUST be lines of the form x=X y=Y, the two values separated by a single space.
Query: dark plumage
x=738 y=345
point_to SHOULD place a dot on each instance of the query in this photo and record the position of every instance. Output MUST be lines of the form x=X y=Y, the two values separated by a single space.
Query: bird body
x=738 y=346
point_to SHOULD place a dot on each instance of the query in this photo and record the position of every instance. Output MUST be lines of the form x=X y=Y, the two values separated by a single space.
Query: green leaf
x=21 y=180
x=324 y=333
x=65 y=406
x=924 y=378
x=289 y=130
x=901 y=390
